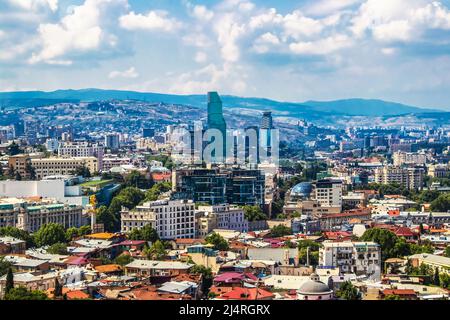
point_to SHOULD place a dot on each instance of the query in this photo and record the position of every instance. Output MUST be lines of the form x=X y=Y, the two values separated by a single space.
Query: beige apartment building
x=19 y=163
x=410 y=178
x=62 y=166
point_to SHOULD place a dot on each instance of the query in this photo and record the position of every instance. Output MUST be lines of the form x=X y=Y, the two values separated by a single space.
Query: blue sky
x=288 y=50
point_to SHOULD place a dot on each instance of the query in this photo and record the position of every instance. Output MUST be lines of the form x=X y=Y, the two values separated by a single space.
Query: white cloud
x=399 y=20
x=228 y=31
x=200 y=57
x=389 y=51
x=152 y=21
x=199 y=40
x=130 y=73
x=79 y=31
x=227 y=78
x=202 y=13
x=265 y=42
x=321 y=46
x=35 y=4
x=296 y=25
x=325 y=7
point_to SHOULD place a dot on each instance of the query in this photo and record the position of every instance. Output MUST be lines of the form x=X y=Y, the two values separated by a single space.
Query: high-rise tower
x=266 y=121
x=215 y=117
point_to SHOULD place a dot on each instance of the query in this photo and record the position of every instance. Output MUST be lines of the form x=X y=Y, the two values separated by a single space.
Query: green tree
x=31 y=172
x=108 y=219
x=9 y=285
x=13 y=149
x=146 y=233
x=156 y=190
x=217 y=241
x=280 y=231
x=436 y=278
x=17 y=176
x=58 y=248
x=123 y=259
x=58 y=288
x=254 y=213
x=82 y=171
x=441 y=203
x=4 y=266
x=348 y=291
x=18 y=234
x=157 y=251
x=447 y=251
x=50 y=234
x=207 y=277
x=138 y=180
x=444 y=280
x=22 y=293
x=392 y=297
x=386 y=239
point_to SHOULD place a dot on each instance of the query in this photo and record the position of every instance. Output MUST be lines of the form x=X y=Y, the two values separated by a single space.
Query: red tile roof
x=247 y=294
x=399 y=292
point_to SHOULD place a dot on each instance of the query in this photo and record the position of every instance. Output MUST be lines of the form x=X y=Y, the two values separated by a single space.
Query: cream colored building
x=62 y=166
x=409 y=158
x=410 y=178
x=31 y=216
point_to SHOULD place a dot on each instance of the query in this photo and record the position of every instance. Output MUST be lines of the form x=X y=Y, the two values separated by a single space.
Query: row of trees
x=48 y=235
x=393 y=246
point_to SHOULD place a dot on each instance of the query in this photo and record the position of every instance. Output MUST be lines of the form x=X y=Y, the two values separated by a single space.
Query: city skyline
x=289 y=51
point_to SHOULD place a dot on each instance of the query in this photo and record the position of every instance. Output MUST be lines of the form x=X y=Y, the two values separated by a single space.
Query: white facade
x=55 y=189
x=82 y=149
x=223 y=217
x=360 y=258
x=172 y=219
x=328 y=193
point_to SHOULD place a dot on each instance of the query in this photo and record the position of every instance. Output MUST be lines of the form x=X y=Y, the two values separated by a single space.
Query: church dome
x=313 y=286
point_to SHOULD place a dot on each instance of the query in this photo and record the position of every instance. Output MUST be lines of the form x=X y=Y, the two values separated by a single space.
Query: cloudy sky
x=290 y=50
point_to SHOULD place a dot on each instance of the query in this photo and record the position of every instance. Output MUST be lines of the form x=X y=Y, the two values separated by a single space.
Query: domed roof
x=313 y=287
x=303 y=188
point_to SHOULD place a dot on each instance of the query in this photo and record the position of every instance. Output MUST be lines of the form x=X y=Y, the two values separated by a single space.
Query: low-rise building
x=360 y=258
x=224 y=217
x=63 y=166
x=147 y=268
x=31 y=216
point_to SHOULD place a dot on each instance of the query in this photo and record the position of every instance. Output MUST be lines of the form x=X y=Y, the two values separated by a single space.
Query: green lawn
x=96 y=183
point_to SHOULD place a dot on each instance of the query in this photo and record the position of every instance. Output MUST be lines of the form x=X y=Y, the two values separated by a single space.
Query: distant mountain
x=308 y=110
x=365 y=107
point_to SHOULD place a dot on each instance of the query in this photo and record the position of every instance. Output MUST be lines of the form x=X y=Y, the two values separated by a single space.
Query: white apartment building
x=62 y=166
x=222 y=216
x=80 y=149
x=172 y=219
x=410 y=178
x=62 y=189
x=328 y=193
x=409 y=158
x=31 y=216
x=360 y=258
